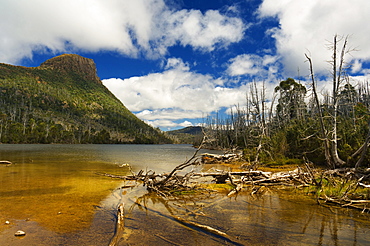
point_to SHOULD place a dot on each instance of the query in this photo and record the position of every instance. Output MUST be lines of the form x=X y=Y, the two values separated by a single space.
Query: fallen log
x=348 y=203
x=208 y=229
x=243 y=173
x=162 y=182
x=203 y=227
x=120 y=226
x=213 y=158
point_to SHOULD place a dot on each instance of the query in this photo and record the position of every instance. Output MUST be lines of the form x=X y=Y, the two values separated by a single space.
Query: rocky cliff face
x=74 y=63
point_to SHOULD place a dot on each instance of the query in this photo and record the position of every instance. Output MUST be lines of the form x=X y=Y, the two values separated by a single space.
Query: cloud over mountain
x=176 y=93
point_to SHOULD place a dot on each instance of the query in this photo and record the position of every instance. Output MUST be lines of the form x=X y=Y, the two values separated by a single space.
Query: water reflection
x=53 y=193
x=55 y=188
x=270 y=218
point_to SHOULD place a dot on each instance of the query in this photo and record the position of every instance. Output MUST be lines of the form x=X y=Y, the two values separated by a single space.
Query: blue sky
x=173 y=62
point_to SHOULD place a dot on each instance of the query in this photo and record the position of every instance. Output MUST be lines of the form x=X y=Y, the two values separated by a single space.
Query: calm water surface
x=52 y=193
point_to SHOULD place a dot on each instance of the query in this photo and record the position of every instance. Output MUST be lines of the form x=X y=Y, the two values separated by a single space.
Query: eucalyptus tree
x=291 y=104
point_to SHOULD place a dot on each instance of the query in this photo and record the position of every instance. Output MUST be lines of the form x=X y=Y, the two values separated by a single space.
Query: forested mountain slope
x=64 y=101
x=188 y=135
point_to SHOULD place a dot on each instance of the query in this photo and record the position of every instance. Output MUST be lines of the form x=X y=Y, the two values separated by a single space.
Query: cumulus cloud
x=169 y=114
x=308 y=26
x=250 y=64
x=168 y=124
x=132 y=28
x=176 y=93
x=356 y=66
x=203 y=31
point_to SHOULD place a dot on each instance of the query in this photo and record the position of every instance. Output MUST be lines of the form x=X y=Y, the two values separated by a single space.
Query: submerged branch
x=120 y=226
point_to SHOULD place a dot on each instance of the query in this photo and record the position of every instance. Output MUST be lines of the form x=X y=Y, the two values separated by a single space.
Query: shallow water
x=52 y=193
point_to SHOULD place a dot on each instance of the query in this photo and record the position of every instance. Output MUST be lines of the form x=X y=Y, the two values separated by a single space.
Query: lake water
x=53 y=193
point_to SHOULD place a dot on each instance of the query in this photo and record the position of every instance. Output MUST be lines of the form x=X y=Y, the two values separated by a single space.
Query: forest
x=329 y=128
x=61 y=102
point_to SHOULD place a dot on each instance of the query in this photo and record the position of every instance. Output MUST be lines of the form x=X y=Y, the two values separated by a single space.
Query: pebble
x=19 y=233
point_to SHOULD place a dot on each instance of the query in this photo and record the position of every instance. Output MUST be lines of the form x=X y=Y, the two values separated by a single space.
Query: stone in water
x=19 y=233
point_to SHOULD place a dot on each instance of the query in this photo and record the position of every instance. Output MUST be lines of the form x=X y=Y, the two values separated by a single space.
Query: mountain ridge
x=73 y=63
x=64 y=101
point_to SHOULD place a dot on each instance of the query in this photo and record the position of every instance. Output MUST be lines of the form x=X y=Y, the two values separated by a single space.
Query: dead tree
x=338 y=77
x=329 y=134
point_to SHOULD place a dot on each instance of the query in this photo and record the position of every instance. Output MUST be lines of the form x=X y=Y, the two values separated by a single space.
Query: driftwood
x=363 y=205
x=177 y=180
x=120 y=226
x=166 y=183
x=347 y=181
x=200 y=226
x=213 y=158
x=208 y=229
x=171 y=206
x=363 y=185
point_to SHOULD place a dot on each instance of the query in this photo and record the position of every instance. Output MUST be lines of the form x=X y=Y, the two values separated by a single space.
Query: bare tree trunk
x=331 y=138
x=321 y=120
x=337 y=79
x=258 y=102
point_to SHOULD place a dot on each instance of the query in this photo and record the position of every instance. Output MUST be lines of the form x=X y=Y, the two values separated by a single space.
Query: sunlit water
x=53 y=193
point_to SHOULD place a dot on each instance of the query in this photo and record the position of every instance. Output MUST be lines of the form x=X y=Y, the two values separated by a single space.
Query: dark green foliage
x=188 y=135
x=48 y=104
x=291 y=101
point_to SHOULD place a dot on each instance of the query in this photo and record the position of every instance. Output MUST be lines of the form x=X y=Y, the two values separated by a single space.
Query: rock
x=7 y=222
x=19 y=233
x=70 y=62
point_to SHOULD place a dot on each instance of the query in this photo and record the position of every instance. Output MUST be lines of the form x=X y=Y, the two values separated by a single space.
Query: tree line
x=299 y=122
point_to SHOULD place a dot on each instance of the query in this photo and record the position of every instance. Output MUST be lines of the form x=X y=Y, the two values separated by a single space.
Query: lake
x=53 y=193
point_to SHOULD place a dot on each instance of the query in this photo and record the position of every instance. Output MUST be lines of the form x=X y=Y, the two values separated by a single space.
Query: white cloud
x=243 y=64
x=247 y=64
x=176 y=93
x=176 y=63
x=186 y=123
x=168 y=124
x=169 y=114
x=203 y=31
x=176 y=87
x=356 y=66
x=308 y=26
x=131 y=28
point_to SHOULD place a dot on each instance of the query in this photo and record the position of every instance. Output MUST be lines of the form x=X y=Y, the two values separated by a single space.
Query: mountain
x=191 y=130
x=188 y=135
x=64 y=101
